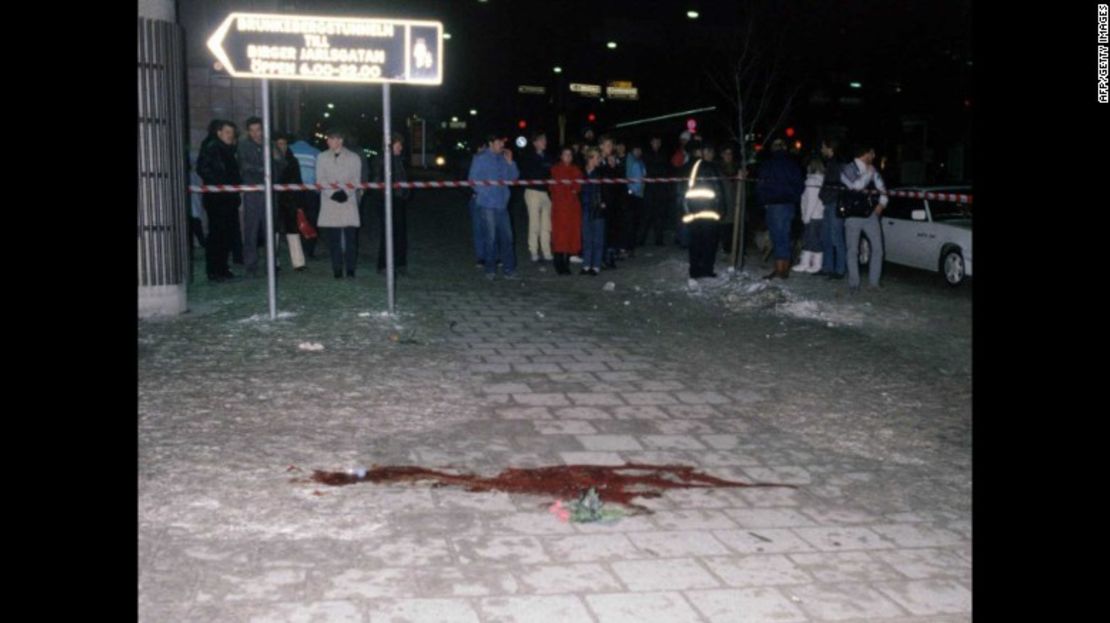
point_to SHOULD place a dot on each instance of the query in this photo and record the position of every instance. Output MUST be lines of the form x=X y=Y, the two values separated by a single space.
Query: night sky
x=911 y=57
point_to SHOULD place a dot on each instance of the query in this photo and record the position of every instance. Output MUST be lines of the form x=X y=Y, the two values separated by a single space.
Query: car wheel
x=864 y=251
x=952 y=267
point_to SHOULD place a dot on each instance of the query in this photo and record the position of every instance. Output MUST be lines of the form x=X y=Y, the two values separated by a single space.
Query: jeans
x=254 y=227
x=871 y=227
x=780 y=216
x=593 y=241
x=833 y=260
x=341 y=245
x=477 y=227
x=497 y=240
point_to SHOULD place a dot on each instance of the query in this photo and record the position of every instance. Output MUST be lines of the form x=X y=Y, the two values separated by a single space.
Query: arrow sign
x=330 y=49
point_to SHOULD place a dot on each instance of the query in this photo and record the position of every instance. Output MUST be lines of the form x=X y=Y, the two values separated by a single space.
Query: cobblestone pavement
x=872 y=424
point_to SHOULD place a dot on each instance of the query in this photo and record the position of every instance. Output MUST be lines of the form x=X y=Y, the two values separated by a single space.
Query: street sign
x=330 y=49
x=533 y=90
x=587 y=90
x=623 y=93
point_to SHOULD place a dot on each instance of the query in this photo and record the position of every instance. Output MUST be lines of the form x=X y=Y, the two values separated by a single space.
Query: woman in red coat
x=566 y=212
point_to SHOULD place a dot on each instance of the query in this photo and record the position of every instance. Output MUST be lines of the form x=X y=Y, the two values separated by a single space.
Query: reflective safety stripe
x=700 y=193
x=704 y=214
x=694 y=174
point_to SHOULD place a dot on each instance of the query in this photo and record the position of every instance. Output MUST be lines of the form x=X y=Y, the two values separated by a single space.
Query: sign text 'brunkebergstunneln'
x=331 y=49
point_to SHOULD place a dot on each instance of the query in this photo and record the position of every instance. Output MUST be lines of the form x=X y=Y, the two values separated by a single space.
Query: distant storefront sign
x=531 y=90
x=586 y=90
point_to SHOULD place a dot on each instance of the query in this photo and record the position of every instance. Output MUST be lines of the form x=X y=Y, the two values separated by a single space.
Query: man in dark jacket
x=535 y=164
x=778 y=189
x=655 y=195
x=216 y=164
x=252 y=167
x=833 y=256
x=400 y=203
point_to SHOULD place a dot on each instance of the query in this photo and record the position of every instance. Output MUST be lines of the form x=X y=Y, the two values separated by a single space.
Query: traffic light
x=591 y=117
x=522 y=124
x=789 y=132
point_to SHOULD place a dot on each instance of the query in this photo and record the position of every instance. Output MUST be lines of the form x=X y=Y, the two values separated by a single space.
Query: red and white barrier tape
x=222 y=188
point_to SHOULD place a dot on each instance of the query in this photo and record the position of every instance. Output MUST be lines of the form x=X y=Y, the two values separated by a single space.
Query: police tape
x=235 y=188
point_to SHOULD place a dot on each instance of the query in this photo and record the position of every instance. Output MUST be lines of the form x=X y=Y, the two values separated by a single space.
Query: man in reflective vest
x=702 y=212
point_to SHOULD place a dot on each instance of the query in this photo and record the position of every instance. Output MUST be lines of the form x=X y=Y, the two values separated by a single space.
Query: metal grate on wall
x=163 y=220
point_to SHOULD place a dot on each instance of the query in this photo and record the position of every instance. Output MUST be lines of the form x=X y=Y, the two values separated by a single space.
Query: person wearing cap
x=495 y=164
x=339 y=207
x=306 y=156
x=535 y=165
x=778 y=190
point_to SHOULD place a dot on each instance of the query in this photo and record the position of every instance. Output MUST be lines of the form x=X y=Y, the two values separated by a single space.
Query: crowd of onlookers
x=573 y=221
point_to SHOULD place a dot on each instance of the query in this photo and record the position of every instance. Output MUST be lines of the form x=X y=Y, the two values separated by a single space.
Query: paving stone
x=843 y=538
x=746 y=604
x=790 y=475
x=533 y=609
x=702 y=398
x=844 y=602
x=525 y=413
x=591 y=458
x=595 y=399
x=536 y=367
x=929 y=597
x=510 y=550
x=671 y=573
x=858 y=567
x=590 y=548
x=565 y=427
x=685 y=427
x=534 y=521
x=757 y=570
x=648 y=398
x=639 y=413
x=581 y=413
x=472 y=580
x=763 y=541
x=920 y=564
x=917 y=535
x=695 y=519
x=671 y=442
x=367 y=583
x=309 y=612
x=615 y=443
x=677 y=544
x=506 y=388
x=577 y=578
x=423 y=611
x=769 y=518
x=541 y=400
x=642 y=608
x=407 y=551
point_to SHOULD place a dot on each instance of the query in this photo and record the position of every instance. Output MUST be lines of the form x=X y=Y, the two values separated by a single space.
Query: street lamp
x=446 y=35
x=330 y=105
x=692 y=14
x=558 y=69
x=855 y=85
x=454 y=119
x=612 y=45
x=473 y=112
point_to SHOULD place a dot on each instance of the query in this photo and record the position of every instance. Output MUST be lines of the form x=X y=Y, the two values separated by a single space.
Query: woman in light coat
x=813 y=214
x=339 y=208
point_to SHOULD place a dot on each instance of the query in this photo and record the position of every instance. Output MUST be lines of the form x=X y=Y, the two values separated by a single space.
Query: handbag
x=339 y=196
x=855 y=204
x=304 y=226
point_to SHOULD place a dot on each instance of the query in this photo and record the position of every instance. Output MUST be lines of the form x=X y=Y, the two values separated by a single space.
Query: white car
x=931 y=234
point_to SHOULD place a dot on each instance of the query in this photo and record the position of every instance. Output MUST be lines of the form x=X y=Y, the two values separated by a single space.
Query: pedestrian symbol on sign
x=421 y=54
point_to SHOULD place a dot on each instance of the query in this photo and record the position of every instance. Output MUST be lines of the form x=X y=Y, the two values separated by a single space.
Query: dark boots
x=782 y=270
x=562 y=263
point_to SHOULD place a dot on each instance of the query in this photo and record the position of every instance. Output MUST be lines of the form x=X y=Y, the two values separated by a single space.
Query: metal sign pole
x=271 y=276
x=387 y=156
